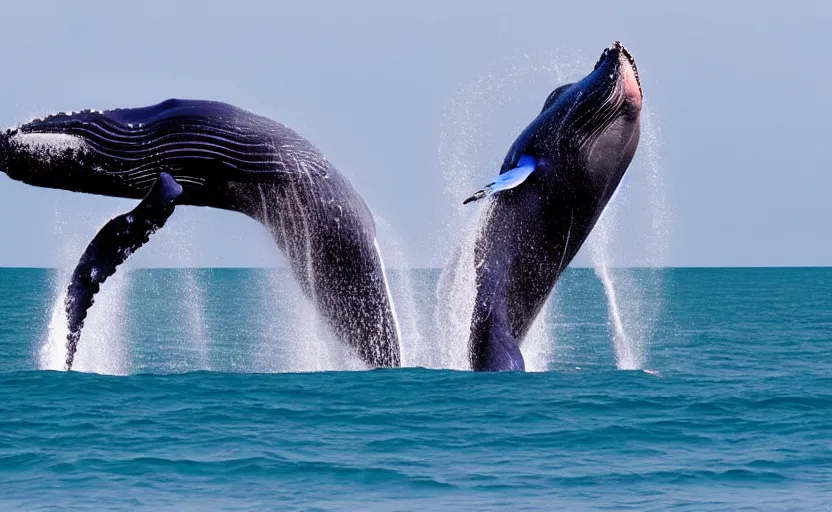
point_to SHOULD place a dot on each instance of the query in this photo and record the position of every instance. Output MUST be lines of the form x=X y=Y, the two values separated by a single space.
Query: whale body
x=555 y=182
x=222 y=157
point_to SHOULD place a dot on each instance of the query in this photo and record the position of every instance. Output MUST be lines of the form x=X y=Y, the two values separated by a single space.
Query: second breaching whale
x=205 y=153
x=554 y=184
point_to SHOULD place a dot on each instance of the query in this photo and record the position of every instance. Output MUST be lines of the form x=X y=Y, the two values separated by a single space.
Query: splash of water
x=303 y=342
x=538 y=346
x=195 y=310
x=456 y=294
x=103 y=348
x=660 y=211
x=629 y=349
x=105 y=338
x=416 y=350
x=291 y=335
x=177 y=244
x=629 y=290
x=177 y=241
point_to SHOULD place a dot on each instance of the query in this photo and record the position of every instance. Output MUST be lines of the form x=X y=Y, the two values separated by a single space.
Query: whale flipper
x=509 y=179
x=110 y=247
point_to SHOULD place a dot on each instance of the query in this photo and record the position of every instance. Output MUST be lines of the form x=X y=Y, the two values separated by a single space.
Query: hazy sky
x=402 y=98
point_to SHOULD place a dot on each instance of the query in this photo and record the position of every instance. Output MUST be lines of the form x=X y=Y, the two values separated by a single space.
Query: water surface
x=202 y=414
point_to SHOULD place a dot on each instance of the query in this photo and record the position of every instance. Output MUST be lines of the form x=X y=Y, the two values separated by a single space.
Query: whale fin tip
x=507 y=180
x=479 y=194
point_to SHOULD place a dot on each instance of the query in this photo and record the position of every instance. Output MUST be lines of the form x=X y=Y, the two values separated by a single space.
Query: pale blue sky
x=738 y=94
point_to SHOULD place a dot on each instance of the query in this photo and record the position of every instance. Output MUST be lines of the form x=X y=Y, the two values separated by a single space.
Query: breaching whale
x=554 y=183
x=205 y=153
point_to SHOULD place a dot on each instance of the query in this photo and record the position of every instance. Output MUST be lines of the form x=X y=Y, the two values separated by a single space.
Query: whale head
x=53 y=152
x=121 y=152
x=591 y=126
x=606 y=121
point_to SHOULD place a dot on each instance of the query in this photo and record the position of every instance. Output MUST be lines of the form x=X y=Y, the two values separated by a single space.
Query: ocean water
x=201 y=390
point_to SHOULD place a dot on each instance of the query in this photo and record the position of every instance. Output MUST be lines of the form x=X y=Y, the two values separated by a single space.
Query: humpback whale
x=206 y=153
x=554 y=183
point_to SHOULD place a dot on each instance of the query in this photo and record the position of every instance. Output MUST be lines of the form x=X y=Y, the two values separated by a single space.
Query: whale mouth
x=617 y=48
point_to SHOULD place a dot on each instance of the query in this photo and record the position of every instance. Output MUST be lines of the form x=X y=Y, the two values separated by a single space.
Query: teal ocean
x=199 y=390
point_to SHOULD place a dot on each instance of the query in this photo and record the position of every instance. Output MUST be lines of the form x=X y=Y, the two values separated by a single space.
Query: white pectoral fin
x=516 y=176
x=509 y=179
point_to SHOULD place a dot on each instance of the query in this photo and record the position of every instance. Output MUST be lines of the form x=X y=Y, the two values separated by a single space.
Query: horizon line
x=234 y=267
